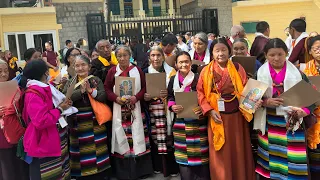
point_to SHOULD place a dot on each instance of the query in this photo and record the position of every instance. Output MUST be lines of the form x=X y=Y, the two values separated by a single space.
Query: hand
x=133 y=100
x=300 y=112
x=258 y=104
x=67 y=103
x=64 y=80
x=88 y=88
x=177 y=108
x=198 y=111
x=273 y=102
x=119 y=101
x=163 y=93
x=2 y=110
x=147 y=97
x=216 y=117
x=56 y=68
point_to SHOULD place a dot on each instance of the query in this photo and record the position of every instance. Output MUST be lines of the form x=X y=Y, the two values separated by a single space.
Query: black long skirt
x=131 y=168
x=165 y=163
x=195 y=172
x=11 y=167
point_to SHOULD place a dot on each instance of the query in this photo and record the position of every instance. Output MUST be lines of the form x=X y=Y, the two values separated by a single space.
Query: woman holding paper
x=190 y=135
x=45 y=140
x=130 y=140
x=312 y=69
x=219 y=90
x=281 y=154
x=11 y=167
x=89 y=157
x=240 y=48
x=162 y=150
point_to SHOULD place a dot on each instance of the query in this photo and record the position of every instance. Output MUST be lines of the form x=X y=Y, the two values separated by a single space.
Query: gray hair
x=84 y=58
x=210 y=34
x=241 y=40
x=157 y=48
x=101 y=41
x=236 y=29
x=124 y=47
x=202 y=36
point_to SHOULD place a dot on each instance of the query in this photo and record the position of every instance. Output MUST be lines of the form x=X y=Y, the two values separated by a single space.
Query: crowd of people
x=62 y=139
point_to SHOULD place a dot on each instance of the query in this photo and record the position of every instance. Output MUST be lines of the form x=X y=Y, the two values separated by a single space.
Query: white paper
x=63 y=123
x=280 y=111
x=221 y=106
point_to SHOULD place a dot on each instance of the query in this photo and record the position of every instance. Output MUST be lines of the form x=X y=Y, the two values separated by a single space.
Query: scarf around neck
x=212 y=98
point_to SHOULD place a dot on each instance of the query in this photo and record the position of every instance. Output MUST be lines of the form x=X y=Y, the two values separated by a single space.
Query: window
x=115 y=7
x=249 y=27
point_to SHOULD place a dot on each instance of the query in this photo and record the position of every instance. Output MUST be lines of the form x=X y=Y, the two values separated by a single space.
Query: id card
x=221 y=105
x=63 y=123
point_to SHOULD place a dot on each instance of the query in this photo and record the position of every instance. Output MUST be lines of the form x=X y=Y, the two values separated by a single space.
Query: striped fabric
x=282 y=155
x=191 y=141
x=88 y=145
x=57 y=168
x=126 y=124
x=158 y=123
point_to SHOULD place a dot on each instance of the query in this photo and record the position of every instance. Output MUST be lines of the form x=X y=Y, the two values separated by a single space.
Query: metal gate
x=120 y=28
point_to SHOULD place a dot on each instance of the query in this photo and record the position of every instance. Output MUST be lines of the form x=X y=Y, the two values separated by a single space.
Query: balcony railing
x=130 y=13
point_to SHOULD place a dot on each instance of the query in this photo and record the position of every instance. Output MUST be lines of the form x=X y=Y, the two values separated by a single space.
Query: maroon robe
x=298 y=53
x=258 y=47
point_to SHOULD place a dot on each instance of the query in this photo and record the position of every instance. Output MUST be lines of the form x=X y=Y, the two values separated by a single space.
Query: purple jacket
x=41 y=138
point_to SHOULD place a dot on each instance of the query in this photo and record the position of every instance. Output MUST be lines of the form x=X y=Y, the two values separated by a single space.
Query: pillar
x=171 y=10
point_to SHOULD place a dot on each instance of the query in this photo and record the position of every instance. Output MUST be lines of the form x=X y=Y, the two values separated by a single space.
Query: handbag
x=102 y=111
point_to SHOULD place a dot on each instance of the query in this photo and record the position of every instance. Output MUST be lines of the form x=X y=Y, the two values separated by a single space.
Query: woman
x=131 y=156
x=71 y=55
x=312 y=69
x=30 y=55
x=240 y=48
x=11 y=168
x=45 y=139
x=52 y=60
x=278 y=150
x=89 y=158
x=12 y=62
x=219 y=90
x=190 y=135
x=200 y=51
x=94 y=54
x=160 y=118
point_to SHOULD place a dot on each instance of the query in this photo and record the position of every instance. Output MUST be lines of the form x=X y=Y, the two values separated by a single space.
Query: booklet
x=155 y=82
x=247 y=62
x=189 y=101
x=124 y=86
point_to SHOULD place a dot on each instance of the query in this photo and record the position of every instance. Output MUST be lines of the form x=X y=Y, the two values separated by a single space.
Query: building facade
x=277 y=13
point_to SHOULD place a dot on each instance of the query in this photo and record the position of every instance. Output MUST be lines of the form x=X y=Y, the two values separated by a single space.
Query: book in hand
x=189 y=101
x=155 y=82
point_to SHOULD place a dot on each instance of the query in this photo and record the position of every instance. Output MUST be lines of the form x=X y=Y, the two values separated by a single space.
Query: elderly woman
x=89 y=157
x=190 y=135
x=240 y=48
x=160 y=118
x=219 y=90
x=281 y=154
x=200 y=51
x=130 y=140
x=11 y=168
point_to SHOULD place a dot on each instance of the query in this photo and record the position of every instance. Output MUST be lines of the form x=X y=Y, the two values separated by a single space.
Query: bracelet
x=60 y=109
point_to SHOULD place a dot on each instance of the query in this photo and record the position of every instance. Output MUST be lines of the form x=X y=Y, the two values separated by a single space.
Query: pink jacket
x=42 y=137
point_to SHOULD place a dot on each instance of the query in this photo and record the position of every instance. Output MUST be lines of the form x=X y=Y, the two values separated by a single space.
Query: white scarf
x=206 y=59
x=292 y=77
x=303 y=35
x=119 y=139
x=186 y=82
x=260 y=34
x=57 y=98
x=170 y=115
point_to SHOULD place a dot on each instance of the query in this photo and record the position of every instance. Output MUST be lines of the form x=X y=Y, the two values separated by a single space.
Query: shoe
x=174 y=175
x=157 y=172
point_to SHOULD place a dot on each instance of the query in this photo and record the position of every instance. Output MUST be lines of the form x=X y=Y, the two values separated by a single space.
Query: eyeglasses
x=315 y=48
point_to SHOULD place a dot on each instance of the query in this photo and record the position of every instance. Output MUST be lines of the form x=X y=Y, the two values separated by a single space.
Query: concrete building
x=224 y=8
x=277 y=13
